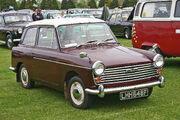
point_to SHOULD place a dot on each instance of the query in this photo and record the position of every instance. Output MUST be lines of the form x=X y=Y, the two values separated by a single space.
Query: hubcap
x=24 y=76
x=77 y=93
x=9 y=43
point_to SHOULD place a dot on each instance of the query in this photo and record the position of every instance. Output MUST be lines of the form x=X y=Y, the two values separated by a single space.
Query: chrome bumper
x=101 y=91
x=16 y=40
x=12 y=69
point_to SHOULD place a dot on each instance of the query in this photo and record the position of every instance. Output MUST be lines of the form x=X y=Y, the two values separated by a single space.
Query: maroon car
x=83 y=58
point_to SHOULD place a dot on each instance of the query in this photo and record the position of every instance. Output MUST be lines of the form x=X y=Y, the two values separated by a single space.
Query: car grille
x=129 y=73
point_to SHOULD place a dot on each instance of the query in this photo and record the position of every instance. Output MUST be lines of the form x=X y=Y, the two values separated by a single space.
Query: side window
x=113 y=18
x=47 y=38
x=118 y=18
x=1 y=20
x=177 y=11
x=137 y=9
x=30 y=37
x=156 y=10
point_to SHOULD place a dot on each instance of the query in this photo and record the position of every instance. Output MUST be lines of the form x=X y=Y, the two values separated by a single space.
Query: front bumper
x=12 y=69
x=101 y=91
x=16 y=40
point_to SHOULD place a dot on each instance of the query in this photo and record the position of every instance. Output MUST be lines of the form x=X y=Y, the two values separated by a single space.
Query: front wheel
x=24 y=77
x=76 y=93
x=9 y=41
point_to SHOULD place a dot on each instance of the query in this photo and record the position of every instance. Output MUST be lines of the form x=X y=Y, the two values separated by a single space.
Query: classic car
x=157 y=22
x=119 y=23
x=80 y=15
x=11 y=27
x=95 y=12
x=83 y=58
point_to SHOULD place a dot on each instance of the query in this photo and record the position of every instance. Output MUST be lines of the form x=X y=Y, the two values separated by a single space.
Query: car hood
x=18 y=24
x=110 y=55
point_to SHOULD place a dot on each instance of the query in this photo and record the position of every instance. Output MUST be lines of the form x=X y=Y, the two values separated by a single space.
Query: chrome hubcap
x=9 y=43
x=77 y=93
x=24 y=76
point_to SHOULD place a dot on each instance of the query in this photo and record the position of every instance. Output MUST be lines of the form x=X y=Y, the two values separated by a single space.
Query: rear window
x=177 y=11
x=156 y=10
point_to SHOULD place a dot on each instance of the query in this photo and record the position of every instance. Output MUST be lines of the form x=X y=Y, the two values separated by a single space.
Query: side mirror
x=83 y=54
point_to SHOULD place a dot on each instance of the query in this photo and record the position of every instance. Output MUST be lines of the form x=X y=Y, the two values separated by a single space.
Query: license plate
x=132 y=94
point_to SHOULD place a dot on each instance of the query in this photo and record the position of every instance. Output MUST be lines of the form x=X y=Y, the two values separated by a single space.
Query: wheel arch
x=17 y=70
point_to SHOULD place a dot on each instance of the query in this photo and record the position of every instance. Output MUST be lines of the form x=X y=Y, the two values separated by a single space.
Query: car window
x=47 y=38
x=113 y=18
x=177 y=11
x=118 y=18
x=1 y=21
x=137 y=9
x=156 y=10
x=30 y=37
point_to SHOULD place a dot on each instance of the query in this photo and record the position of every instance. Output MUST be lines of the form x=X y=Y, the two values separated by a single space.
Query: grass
x=44 y=103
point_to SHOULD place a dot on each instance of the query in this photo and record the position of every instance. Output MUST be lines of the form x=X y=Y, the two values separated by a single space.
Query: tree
x=33 y=4
x=14 y=4
x=4 y=4
x=43 y=4
x=71 y=4
x=64 y=4
x=92 y=4
x=82 y=4
x=114 y=4
x=22 y=5
x=129 y=3
x=54 y=4
x=28 y=4
x=101 y=3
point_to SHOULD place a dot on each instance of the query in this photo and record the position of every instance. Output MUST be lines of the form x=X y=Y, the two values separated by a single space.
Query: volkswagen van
x=157 y=22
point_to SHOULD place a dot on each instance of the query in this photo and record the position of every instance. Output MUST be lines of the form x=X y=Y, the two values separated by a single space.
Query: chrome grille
x=129 y=73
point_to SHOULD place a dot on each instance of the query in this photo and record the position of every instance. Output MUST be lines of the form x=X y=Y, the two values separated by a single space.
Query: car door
x=176 y=30
x=45 y=56
x=119 y=29
x=2 y=35
x=112 y=24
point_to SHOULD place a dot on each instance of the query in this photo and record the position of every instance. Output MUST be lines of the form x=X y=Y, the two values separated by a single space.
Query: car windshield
x=17 y=18
x=83 y=34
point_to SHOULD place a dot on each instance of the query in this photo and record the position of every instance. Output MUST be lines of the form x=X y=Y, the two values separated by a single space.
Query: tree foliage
x=129 y=3
x=114 y=4
x=23 y=4
x=71 y=4
x=101 y=3
x=64 y=4
x=82 y=4
x=92 y=4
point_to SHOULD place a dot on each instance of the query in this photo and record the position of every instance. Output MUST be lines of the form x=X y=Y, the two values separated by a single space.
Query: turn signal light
x=98 y=79
x=159 y=70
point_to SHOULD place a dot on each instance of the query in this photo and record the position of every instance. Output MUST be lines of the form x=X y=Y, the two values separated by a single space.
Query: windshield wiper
x=91 y=41
x=107 y=40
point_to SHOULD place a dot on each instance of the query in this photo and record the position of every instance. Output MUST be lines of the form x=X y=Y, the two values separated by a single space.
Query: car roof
x=78 y=14
x=64 y=21
x=13 y=13
x=152 y=0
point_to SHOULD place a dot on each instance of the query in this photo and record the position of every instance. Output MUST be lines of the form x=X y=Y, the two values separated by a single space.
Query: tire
x=24 y=78
x=127 y=33
x=9 y=41
x=77 y=95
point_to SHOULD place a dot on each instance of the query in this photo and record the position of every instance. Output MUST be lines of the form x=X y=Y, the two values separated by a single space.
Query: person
x=37 y=15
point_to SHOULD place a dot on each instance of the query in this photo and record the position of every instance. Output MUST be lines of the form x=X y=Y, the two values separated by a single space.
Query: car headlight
x=98 y=68
x=158 y=61
x=20 y=30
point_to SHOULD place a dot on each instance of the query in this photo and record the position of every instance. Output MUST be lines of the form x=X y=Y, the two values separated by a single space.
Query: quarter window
x=30 y=37
x=156 y=10
x=137 y=9
x=47 y=38
x=113 y=18
x=177 y=11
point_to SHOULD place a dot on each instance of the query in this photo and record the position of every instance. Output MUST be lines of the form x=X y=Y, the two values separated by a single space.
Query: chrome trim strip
x=16 y=40
x=12 y=68
x=1 y=41
x=101 y=92
x=61 y=63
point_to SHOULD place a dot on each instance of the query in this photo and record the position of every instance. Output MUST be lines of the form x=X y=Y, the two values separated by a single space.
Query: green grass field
x=44 y=103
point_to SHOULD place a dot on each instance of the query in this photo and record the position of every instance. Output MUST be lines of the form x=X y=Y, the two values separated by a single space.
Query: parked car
x=83 y=58
x=81 y=15
x=47 y=14
x=120 y=25
x=157 y=22
x=11 y=27
x=95 y=12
